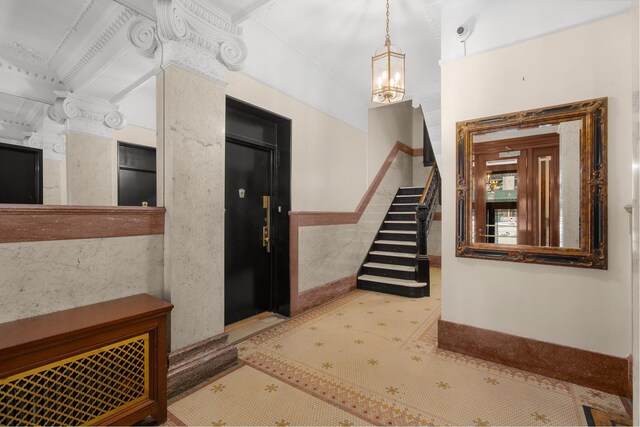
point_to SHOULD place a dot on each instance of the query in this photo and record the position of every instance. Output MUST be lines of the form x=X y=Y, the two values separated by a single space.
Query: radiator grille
x=82 y=389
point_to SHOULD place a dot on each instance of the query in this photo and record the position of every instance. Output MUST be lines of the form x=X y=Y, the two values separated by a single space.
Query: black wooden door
x=136 y=175
x=248 y=271
x=20 y=175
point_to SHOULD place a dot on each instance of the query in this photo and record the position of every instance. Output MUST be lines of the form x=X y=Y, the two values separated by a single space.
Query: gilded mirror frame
x=592 y=252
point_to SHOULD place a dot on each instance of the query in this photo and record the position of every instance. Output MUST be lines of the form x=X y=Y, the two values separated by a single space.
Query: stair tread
x=399 y=213
x=408 y=195
x=395 y=267
x=393 y=254
x=410 y=188
x=392 y=281
x=404 y=204
x=395 y=242
x=398 y=231
x=399 y=222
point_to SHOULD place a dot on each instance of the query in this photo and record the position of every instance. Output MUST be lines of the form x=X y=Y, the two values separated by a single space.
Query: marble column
x=193 y=128
x=54 y=181
x=89 y=170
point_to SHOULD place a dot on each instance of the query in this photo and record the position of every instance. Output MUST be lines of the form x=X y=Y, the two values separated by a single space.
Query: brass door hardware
x=266 y=243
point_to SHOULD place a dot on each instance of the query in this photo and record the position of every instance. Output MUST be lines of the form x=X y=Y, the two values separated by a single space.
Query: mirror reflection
x=526 y=186
x=77 y=123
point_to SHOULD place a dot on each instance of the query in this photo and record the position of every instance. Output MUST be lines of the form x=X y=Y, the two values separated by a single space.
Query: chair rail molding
x=86 y=114
x=193 y=34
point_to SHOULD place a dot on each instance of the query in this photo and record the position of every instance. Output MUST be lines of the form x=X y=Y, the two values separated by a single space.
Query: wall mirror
x=77 y=105
x=532 y=186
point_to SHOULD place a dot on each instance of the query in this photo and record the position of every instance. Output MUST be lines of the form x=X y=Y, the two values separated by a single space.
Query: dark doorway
x=136 y=175
x=20 y=174
x=257 y=204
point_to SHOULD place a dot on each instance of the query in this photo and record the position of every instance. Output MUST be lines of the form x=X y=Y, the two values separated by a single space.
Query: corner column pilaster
x=196 y=45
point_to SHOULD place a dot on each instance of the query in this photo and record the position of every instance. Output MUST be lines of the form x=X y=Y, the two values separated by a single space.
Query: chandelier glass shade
x=387 y=72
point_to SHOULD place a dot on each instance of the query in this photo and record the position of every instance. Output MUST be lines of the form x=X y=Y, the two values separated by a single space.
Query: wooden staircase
x=391 y=263
x=397 y=262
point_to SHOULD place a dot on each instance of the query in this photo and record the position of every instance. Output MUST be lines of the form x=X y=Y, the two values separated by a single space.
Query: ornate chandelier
x=387 y=70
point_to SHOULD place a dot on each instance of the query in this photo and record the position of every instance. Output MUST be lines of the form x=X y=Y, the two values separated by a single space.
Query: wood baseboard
x=435 y=260
x=586 y=368
x=191 y=365
x=325 y=293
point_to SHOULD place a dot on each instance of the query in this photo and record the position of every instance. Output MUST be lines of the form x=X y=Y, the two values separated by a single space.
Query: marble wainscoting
x=43 y=277
x=328 y=253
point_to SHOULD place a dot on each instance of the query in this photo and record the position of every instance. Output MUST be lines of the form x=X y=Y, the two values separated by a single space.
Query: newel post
x=422 y=259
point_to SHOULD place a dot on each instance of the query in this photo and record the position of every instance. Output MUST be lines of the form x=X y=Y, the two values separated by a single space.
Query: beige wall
x=635 y=55
x=418 y=127
x=387 y=125
x=331 y=252
x=329 y=162
x=583 y=308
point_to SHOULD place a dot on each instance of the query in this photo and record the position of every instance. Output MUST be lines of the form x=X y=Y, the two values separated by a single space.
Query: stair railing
x=424 y=217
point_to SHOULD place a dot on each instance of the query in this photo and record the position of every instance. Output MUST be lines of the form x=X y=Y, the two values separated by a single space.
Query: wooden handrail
x=426 y=187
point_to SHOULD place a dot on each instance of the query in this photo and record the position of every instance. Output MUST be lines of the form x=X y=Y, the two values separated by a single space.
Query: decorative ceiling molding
x=53 y=146
x=71 y=29
x=30 y=73
x=123 y=93
x=25 y=53
x=142 y=35
x=121 y=19
x=248 y=11
x=200 y=37
x=434 y=10
x=86 y=114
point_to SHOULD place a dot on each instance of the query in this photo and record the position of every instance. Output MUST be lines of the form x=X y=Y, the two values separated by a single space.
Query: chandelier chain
x=388 y=37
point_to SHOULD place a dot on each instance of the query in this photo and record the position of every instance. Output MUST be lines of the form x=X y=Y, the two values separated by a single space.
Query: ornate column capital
x=198 y=36
x=86 y=114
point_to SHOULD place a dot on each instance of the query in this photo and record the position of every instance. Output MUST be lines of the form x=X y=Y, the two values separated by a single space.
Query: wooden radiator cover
x=100 y=364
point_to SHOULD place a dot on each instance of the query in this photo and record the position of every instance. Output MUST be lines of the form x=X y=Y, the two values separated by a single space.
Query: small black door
x=136 y=175
x=248 y=275
x=20 y=174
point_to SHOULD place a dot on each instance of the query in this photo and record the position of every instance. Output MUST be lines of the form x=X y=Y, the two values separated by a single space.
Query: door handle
x=266 y=230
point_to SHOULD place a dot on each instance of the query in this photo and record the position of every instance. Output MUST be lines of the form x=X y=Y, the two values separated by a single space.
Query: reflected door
x=545 y=197
x=136 y=175
x=20 y=175
x=517 y=193
x=500 y=207
x=248 y=249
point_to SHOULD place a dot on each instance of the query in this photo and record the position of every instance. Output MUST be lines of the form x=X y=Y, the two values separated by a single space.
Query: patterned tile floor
x=370 y=358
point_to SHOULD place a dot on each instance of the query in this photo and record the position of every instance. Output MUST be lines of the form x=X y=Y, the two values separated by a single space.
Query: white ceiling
x=318 y=51
x=70 y=45
x=497 y=23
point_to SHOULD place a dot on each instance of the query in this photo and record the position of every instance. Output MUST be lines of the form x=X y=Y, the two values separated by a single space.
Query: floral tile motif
x=258 y=399
x=369 y=358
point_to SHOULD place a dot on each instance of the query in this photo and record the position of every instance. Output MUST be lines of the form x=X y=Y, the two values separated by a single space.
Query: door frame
x=39 y=165
x=281 y=200
x=139 y=146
